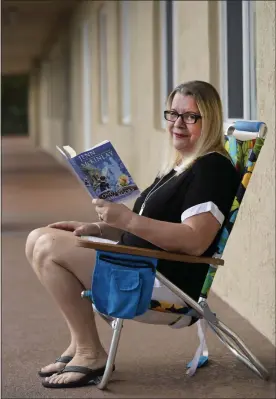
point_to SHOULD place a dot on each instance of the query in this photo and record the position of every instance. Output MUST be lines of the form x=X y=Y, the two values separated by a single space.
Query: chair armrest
x=151 y=253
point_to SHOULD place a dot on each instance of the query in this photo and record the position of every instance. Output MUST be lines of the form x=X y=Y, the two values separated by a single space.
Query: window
x=238 y=69
x=86 y=91
x=125 y=54
x=167 y=53
x=47 y=85
x=103 y=64
x=58 y=85
x=52 y=90
x=55 y=77
x=67 y=95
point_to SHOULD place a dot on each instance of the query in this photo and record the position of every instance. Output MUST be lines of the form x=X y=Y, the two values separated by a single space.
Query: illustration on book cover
x=105 y=174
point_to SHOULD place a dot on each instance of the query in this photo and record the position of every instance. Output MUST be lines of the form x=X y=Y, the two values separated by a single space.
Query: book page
x=99 y=144
x=69 y=151
x=61 y=151
x=98 y=239
x=66 y=151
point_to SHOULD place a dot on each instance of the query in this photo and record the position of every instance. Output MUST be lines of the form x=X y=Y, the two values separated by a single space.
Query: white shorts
x=162 y=293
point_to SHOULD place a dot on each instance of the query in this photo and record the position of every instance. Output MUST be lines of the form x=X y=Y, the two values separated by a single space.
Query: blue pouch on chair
x=122 y=284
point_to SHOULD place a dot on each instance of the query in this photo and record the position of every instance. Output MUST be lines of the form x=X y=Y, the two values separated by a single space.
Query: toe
x=58 y=379
x=52 y=378
x=62 y=379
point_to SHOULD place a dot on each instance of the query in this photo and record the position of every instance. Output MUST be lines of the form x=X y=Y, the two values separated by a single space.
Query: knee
x=38 y=245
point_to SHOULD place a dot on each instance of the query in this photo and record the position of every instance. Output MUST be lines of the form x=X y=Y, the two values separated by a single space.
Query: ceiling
x=29 y=28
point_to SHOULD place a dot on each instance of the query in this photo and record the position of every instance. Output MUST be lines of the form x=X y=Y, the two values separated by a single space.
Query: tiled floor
x=151 y=360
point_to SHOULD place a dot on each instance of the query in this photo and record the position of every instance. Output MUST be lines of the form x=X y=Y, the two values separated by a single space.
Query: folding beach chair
x=243 y=141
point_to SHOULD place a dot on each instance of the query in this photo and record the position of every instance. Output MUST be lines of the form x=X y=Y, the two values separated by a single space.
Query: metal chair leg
x=117 y=326
x=239 y=349
x=224 y=333
x=108 y=319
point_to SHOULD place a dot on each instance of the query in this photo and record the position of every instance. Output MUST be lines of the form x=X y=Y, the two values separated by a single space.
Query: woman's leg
x=65 y=270
x=71 y=349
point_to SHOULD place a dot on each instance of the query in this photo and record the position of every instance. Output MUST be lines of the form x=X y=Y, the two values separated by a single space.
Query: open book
x=102 y=172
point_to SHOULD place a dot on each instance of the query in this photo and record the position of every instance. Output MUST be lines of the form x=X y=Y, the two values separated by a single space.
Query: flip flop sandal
x=61 y=359
x=90 y=377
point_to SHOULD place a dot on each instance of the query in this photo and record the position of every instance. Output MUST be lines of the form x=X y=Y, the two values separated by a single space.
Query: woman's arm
x=110 y=232
x=99 y=229
x=95 y=229
x=214 y=182
x=192 y=237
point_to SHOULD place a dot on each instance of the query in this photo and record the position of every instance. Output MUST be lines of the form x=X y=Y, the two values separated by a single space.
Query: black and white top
x=209 y=185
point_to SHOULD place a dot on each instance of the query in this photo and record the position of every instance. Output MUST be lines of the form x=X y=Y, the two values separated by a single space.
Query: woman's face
x=184 y=135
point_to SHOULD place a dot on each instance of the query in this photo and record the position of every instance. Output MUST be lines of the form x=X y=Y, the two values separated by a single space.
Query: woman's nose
x=179 y=122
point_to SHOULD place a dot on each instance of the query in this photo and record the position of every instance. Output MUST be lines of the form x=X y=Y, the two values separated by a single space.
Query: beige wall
x=194 y=59
x=144 y=132
x=247 y=280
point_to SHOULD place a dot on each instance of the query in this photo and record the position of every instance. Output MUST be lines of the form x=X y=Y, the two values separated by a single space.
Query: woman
x=182 y=211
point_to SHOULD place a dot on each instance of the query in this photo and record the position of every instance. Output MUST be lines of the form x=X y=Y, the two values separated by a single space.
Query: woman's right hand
x=78 y=228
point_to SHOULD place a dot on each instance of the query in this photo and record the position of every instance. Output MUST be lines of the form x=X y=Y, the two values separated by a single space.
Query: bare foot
x=78 y=360
x=58 y=366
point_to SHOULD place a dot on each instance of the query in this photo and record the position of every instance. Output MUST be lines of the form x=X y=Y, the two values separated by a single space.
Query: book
x=102 y=172
x=98 y=239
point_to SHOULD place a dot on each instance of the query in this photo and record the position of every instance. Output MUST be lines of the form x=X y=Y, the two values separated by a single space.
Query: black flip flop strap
x=64 y=359
x=80 y=369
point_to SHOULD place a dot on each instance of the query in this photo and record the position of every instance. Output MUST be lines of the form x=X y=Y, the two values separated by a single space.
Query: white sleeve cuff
x=202 y=208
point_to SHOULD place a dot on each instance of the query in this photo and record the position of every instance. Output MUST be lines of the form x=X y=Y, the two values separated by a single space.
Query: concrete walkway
x=151 y=360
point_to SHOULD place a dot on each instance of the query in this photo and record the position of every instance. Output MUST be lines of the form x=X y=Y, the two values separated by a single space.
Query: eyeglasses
x=187 y=117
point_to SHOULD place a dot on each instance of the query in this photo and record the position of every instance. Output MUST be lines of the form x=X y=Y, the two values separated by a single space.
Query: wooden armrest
x=123 y=249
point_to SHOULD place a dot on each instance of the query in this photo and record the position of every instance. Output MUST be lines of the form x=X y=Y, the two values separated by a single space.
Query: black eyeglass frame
x=169 y=112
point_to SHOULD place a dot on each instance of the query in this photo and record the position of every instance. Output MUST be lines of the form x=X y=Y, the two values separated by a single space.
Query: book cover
x=102 y=172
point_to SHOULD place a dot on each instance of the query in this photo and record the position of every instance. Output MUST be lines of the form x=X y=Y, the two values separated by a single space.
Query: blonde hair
x=212 y=136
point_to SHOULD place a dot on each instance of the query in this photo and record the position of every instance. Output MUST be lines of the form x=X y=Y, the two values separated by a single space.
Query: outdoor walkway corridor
x=151 y=360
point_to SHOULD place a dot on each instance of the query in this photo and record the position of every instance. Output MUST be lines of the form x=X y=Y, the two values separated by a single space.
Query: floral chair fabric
x=244 y=155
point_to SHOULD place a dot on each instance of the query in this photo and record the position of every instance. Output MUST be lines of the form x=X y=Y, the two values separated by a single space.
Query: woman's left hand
x=116 y=215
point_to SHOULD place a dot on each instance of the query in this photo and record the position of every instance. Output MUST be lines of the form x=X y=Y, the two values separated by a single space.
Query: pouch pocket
x=122 y=284
x=124 y=293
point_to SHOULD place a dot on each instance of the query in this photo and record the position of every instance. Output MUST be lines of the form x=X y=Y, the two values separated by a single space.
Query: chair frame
x=224 y=333
x=202 y=310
